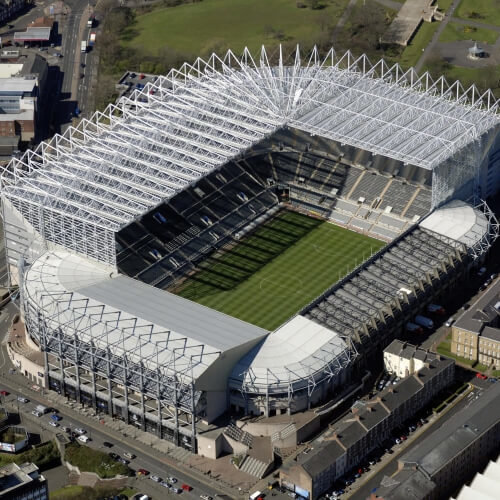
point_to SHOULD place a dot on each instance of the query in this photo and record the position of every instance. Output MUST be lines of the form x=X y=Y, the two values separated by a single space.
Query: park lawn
x=412 y=53
x=269 y=276
x=198 y=27
x=483 y=11
x=455 y=31
x=90 y=460
x=444 y=5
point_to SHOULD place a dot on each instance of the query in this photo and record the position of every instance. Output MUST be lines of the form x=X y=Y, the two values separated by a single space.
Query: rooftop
x=483 y=312
x=195 y=119
x=151 y=324
x=13 y=475
x=296 y=350
x=459 y=431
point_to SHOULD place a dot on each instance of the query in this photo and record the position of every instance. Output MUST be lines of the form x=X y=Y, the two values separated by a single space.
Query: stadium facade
x=101 y=220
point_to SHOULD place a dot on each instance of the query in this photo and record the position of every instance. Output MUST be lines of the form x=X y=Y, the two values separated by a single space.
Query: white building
x=403 y=359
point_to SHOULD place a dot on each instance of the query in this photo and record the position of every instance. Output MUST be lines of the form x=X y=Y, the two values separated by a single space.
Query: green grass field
x=201 y=27
x=456 y=31
x=422 y=38
x=280 y=268
x=483 y=11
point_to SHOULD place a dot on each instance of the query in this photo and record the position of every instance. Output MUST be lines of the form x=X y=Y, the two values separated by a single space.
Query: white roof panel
x=190 y=122
x=295 y=351
x=459 y=221
x=137 y=320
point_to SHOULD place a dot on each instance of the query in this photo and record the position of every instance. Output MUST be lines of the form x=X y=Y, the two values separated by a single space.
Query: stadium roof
x=298 y=351
x=115 y=167
x=459 y=221
x=136 y=319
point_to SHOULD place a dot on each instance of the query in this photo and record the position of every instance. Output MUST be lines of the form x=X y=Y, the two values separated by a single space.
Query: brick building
x=450 y=456
x=369 y=424
x=476 y=333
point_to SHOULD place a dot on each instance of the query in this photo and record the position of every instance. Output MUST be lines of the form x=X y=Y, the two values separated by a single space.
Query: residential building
x=485 y=485
x=476 y=333
x=22 y=482
x=369 y=424
x=451 y=455
x=403 y=359
x=22 y=85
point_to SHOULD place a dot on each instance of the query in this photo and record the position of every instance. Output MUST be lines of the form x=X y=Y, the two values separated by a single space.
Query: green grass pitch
x=270 y=275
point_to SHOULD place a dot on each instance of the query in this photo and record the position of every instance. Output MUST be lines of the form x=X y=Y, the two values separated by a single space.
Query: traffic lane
x=392 y=465
x=98 y=436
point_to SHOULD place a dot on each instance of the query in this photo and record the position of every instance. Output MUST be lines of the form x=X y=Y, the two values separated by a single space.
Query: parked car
x=173 y=480
x=450 y=321
x=165 y=484
x=114 y=456
x=481 y=271
x=107 y=444
x=65 y=429
x=142 y=472
x=53 y=424
x=397 y=441
x=36 y=413
x=83 y=439
x=22 y=399
x=4 y=393
x=80 y=431
x=186 y=487
x=55 y=417
x=481 y=376
x=129 y=455
x=122 y=460
x=156 y=479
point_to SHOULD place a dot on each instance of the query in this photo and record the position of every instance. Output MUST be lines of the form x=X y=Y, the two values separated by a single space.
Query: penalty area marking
x=287 y=287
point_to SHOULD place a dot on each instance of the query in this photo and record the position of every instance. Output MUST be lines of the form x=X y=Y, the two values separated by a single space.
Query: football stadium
x=242 y=237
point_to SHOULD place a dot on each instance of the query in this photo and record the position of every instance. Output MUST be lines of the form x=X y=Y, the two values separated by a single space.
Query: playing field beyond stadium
x=270 y=275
